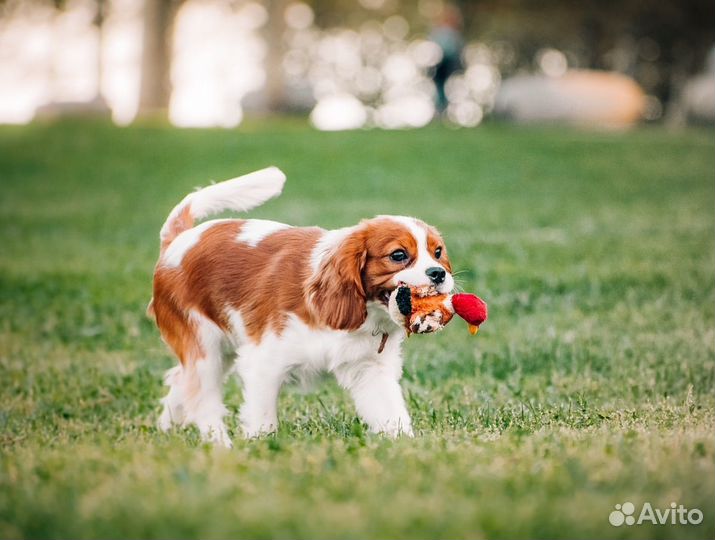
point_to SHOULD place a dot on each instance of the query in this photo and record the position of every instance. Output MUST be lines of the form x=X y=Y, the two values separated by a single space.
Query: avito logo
x=677 y=514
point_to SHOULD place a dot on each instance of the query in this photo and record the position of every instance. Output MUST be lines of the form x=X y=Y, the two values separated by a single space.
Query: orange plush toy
x=424 y=310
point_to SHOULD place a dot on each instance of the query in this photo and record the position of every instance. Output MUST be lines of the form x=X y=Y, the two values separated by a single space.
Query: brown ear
x=336 y=292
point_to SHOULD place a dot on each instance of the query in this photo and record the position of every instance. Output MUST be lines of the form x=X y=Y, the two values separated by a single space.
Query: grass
x=592 y=383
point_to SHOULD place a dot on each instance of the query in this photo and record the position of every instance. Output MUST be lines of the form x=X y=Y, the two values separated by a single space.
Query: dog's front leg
x=262 y=376
x=376 y=390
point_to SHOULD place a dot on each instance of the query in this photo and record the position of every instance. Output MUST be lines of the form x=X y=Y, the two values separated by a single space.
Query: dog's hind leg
x=173 y=413
x=196 y=386
x=204 y=377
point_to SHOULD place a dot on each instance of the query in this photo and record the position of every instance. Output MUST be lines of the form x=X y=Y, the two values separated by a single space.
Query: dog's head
x=367 y=262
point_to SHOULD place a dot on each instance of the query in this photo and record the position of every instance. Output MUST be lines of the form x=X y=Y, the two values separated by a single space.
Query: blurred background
x=351 y=64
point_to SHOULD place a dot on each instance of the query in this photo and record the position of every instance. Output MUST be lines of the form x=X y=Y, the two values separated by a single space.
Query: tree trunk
x=275 y=30
x=155 y=89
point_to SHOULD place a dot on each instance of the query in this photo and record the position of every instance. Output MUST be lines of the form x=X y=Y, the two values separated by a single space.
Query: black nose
x=436 y=274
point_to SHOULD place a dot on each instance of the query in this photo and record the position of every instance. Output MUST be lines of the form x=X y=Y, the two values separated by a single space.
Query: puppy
x=284 y=301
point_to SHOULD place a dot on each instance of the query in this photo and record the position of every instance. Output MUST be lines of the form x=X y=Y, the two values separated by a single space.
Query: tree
x=155 y=88
x=275 y=29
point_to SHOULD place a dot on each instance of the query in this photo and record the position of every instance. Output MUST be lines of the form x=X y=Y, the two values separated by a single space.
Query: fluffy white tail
x=239 y=194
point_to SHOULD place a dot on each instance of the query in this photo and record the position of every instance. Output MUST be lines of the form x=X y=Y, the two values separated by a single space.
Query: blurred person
x=447 y=33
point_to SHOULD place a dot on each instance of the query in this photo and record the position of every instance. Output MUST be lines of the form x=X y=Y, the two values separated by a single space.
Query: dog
x=272 y=301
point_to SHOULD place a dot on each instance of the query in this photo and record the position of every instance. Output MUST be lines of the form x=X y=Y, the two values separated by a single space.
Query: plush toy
x=424 y=310
x=471 y=308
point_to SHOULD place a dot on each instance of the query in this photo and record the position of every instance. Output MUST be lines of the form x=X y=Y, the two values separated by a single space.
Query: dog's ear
x=335 y=292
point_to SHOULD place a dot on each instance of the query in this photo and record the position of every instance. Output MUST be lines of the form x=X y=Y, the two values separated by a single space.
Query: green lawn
x=592 y=384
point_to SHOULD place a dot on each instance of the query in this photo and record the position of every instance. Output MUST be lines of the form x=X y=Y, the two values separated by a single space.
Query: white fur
x=416 y=274
x=173 y=412
x=180 y=246
x=255 y=230
x=371 y=378
x=239 y=194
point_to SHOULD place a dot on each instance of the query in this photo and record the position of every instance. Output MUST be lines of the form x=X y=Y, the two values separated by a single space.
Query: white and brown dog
x=284 y=301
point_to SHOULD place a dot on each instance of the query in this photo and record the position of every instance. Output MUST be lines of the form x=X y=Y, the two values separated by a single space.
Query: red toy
x=424 y=310
x=471 y=308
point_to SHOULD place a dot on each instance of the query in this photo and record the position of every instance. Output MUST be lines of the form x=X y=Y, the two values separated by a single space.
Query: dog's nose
x=436 y=274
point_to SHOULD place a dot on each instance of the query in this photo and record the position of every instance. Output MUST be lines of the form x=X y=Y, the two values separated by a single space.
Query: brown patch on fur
x=434 y=240
x=385 y=236
x=336 y=292
x=172 y=315
x=265 y=283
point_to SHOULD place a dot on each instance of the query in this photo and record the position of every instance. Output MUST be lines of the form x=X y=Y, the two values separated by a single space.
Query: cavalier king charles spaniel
x=272 y=301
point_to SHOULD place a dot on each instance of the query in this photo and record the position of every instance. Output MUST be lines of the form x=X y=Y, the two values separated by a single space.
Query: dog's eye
x=399 y=255
x=438 y=253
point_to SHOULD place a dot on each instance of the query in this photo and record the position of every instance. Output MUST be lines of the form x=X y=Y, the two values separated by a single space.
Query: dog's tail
x=240 y=194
